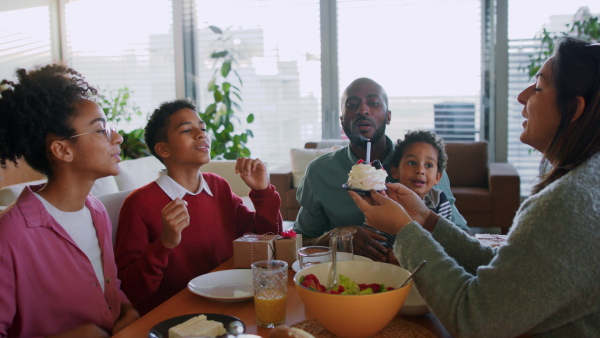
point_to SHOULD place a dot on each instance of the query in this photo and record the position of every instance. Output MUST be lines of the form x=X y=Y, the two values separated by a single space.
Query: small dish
x=161 y=330
x=296 y=264
x=358 y=191
x=227 y=285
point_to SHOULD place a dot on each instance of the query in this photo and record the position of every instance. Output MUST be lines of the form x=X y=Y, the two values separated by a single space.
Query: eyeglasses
x=108 y=129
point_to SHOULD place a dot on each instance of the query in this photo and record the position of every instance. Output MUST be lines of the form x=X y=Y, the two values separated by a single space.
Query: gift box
x=252 y=248
x=286 y=249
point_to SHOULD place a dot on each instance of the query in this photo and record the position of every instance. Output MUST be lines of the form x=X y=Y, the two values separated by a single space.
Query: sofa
x=136 y=173
x=487 y=194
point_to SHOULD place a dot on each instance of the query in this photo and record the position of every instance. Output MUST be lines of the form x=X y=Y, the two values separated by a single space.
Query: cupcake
x=366 y=176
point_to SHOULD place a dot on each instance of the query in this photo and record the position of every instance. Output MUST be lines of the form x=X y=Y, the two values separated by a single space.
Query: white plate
x=227 y=285
x=296 y=265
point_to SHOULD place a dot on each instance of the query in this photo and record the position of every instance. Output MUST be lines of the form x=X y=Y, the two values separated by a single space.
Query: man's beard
x=361 y=141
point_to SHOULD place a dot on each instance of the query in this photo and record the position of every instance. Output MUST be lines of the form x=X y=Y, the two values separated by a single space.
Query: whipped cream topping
x=366 y=177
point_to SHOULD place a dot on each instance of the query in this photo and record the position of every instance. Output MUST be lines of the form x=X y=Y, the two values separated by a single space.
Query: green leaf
x=218 y=96
x=244 y=137
x=211 y=109
x=231 y=155
x=226 y=86
x=220 y=54
x=245 y=152
x=250 y=118
x=229 y=128
x=225 y=68
x=215 y=29
x=249 y=132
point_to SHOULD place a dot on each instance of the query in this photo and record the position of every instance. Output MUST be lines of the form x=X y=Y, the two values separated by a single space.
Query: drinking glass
x=341 y=242
x=270 y=290
x=311 y=255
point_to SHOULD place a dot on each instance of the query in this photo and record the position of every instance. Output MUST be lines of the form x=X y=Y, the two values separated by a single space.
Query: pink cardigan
x=47 y=284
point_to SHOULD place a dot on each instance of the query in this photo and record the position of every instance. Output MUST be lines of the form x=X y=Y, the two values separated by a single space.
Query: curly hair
x=39 y=103
x=156 y=129
x=421 y=136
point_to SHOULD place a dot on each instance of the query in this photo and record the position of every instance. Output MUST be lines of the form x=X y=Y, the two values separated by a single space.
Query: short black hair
x=40 y=102
x=156 y=128
x=421 y=136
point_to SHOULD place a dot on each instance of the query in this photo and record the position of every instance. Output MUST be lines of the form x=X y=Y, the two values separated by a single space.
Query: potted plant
x=117 y=108
x=223 y=116
x=585 y=26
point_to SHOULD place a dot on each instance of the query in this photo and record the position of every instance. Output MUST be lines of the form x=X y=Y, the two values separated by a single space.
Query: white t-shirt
x=79 y=225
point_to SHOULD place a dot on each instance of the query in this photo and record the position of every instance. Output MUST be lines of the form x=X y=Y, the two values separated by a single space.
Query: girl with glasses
x=57 y=271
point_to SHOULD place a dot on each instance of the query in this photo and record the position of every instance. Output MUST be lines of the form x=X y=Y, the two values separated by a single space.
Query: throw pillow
x=300 y=159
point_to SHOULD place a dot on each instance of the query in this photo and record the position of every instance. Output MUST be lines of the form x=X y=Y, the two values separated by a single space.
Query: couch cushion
x=139 y=172
x=105 y=185
x=226 y=169
x=472 y=199
x=468 y=164
x=300 y=159
x=10 y=193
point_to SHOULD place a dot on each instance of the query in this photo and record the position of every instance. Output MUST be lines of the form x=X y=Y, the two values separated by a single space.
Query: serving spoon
x=412 y=274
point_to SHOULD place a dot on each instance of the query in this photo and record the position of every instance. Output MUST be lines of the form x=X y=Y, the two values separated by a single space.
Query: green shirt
x=325 y=205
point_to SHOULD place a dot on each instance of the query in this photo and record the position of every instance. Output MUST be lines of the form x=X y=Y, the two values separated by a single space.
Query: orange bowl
x=355 y=315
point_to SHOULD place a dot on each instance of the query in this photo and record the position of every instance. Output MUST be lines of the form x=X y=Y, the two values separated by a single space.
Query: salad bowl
x=354 y=315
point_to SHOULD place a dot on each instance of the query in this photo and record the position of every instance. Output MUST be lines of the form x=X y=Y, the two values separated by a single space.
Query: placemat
x=397 y=328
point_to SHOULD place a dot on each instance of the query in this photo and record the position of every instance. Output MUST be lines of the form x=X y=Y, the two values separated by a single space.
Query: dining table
x=186 y=302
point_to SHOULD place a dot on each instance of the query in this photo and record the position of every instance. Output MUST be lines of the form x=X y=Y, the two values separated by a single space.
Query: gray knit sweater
x=545 y=280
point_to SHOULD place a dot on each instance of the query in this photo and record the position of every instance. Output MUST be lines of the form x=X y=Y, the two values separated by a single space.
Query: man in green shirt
x=325 y=205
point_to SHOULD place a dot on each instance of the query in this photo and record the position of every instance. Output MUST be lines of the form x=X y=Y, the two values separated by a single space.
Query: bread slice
x=197 y=326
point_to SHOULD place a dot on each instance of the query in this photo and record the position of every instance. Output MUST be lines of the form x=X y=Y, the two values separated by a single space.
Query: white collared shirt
x=174 y=189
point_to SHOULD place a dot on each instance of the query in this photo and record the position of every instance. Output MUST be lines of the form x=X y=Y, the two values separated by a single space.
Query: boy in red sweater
x=183 y=224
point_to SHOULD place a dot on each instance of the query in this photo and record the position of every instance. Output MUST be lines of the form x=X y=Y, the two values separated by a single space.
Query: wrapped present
x=252 y=248
x=491 y=239
x=286 y=247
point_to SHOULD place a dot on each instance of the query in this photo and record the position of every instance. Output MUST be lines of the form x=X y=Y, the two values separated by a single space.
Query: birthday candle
x=368 y=159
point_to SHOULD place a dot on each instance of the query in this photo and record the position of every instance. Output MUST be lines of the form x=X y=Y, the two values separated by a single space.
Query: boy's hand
x=175 y=218
x=253 y=172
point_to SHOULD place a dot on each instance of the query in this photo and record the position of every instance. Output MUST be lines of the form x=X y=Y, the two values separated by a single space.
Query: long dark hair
x=576 y=72
x=41 y=102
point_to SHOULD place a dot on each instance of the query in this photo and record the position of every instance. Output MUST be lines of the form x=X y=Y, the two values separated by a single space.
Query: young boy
x=183 y=224
x=418 y=162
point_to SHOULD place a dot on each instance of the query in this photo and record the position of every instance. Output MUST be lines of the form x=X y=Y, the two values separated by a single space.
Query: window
x=427 y=55
x=278 y=42
x=526 y=19
x=117 y=44
x=24 y=43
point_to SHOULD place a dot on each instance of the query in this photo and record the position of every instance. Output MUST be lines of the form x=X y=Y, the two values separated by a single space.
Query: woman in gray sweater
x=545 y=279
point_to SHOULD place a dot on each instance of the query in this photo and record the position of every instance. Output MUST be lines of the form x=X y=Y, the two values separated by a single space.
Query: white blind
x=424 y=53
x=279 y=62
x=24 y=36
x=118 y=43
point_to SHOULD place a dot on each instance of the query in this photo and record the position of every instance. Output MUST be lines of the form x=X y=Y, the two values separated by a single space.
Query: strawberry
x=360 y=161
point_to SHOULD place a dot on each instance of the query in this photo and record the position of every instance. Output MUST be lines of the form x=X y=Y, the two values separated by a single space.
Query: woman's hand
x=382 y=213
x=410 y=201
x=253 y=172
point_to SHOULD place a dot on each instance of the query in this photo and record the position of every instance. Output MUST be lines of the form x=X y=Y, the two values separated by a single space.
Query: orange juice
x=270 y=308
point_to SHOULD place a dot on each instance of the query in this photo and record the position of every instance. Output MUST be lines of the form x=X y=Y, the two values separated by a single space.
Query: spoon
x=412 y=274
x=334 y=282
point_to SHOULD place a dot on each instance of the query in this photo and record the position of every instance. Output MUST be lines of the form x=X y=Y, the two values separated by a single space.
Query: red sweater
x=151 y=273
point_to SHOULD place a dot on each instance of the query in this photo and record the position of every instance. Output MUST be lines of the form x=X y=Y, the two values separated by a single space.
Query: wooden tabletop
x=186 y=302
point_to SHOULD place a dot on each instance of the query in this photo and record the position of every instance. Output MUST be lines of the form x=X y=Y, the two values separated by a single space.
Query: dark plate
x=161 y=330
x=360 y=192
